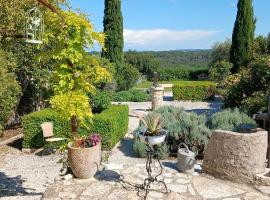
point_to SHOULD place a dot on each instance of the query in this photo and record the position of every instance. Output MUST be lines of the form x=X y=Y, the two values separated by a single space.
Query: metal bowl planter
x=153 y=140
x=84 y=162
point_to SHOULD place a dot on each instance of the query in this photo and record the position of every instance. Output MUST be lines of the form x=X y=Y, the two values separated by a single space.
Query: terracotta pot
x=84 y=162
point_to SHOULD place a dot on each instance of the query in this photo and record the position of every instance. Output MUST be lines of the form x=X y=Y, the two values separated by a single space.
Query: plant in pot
x=153 y=133
x=76 y=75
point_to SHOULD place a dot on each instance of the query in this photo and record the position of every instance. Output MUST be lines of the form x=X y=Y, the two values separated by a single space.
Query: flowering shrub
x=90 y=141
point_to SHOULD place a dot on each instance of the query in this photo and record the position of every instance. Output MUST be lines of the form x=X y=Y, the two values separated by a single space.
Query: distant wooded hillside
x=178 y=58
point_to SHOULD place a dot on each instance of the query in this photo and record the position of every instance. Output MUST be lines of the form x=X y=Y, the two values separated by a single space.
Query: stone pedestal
x=157 y=97
x=236 y=156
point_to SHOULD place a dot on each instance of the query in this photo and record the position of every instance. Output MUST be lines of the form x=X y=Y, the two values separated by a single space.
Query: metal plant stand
x=151 y=152
x=146 y=186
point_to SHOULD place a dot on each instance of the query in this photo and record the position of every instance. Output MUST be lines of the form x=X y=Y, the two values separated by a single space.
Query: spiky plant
x=153 y=124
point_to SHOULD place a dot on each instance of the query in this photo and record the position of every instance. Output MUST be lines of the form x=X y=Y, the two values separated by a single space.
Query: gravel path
x=25 y=176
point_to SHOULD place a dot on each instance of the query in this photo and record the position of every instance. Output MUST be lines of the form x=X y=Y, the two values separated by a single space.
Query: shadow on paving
x=126 y=147
x=214 y=107
x=167 y=98
x=12 y=186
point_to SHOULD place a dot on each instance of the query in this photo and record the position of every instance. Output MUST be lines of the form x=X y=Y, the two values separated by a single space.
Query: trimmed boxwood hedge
x=194 y=90
x=112 y=124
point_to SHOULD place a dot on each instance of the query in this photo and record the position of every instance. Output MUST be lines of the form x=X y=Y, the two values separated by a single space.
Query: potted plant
x=153 y=133
x=76 y=75
x=84 y=156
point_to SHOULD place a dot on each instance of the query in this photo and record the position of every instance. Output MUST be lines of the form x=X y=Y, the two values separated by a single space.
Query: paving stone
x=66 y=195
x=113 y=166
x=168 y=180
x=191 y=190
x=97 y=189
x=177 y=188
x=168 y=175
x=182 y=181
x=209 y=188
x=182 y=175
x=154 y=194
x=133 y=170
x=120 y=194
x=176 y=196
x=255 y=196
x=264 y=189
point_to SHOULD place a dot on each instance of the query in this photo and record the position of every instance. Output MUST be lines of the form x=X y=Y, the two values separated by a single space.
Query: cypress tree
x=243 y=34
x=113 y=28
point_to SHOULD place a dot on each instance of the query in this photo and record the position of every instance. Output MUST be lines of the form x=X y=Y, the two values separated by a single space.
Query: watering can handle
x=183 y=144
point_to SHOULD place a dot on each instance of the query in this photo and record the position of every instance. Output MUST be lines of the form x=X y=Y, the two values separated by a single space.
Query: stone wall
x=157 y=97
x=236 y=156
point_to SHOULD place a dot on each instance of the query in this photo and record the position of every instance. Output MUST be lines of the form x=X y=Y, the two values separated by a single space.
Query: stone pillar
x=157 y=97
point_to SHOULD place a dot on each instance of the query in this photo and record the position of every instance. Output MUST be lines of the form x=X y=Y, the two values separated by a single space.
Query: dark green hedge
x=33 y=137
x=112 y=124
x=194 y=90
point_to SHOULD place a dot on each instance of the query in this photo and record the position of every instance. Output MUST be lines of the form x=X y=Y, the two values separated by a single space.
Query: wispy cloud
x=164 y=39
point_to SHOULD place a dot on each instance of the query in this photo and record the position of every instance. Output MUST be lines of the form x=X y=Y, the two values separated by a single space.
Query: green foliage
x=126 y=76
x=33 y=137
x=140 y=149
x=9 y=90
x=112 y=124
x=112 y=129
x=171 y=65
x=133 y=95
x=193 y=90
x=1 y=130
x=184 y=127
x=33 y=70
x=243 y=35
x=142 y=61
x=221 y=52
x=230 y=120
x=101 y=101
x=113 y=28
x=169 y=73
x=261 y=46
x=243 y=88
x=220 y=71
x=255 y=103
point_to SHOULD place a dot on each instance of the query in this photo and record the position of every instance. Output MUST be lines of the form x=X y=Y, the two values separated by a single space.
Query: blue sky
x=176 y=24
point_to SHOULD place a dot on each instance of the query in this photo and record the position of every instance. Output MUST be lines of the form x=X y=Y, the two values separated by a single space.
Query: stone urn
x=84 y=162
x=238 y=157
x=157 y=97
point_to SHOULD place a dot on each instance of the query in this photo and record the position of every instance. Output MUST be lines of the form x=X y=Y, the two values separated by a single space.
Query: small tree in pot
x=76 y=76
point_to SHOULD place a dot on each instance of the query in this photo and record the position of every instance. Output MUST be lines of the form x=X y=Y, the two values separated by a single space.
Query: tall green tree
x=113 y=28
x=243 y=34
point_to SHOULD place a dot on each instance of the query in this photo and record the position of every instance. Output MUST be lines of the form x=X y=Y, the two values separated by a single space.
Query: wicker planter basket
x=84 y=162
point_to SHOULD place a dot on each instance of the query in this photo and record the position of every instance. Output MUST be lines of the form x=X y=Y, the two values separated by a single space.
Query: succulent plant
x=152 y=123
